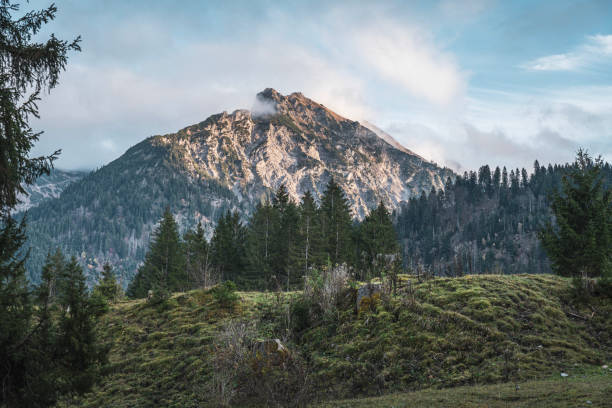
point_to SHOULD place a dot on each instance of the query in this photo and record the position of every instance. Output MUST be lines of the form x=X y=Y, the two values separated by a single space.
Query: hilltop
x=441 y=333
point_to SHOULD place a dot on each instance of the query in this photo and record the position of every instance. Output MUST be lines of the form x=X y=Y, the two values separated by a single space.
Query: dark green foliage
x=308 y=245
x=108 y=288
x=109 y=217
x=15 y=315
x=34 y=368
x=28 y=68
x=259 y=246
x=76 y=343
x=164 y=268
x=467 y=230
x=197 y=258
x=227 y=246
x=54 y=349
x=225 y=294
x=284 y=238
x=377 y=238
x=336 y=224
x=579 y=243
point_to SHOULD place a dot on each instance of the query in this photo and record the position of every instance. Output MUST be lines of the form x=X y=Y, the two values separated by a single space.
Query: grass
x=452 y=341
x=577 y=392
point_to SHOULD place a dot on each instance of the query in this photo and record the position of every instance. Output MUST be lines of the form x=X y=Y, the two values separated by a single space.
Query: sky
x=462 y=83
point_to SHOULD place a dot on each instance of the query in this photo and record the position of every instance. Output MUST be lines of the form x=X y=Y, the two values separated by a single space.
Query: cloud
x=407 y=57
x=594 y=50
x=263 y=107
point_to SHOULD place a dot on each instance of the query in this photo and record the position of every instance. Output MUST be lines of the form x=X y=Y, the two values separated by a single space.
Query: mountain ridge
x=230 y=161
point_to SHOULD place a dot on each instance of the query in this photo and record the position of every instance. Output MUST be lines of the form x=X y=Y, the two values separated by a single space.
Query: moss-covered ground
x=478 y=334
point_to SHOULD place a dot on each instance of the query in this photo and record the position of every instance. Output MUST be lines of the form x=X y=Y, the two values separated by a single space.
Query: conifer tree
x=108 y=288
x=29 y=65
x=259 y=236
x=284 y=236
x=163 y=270
x=579 y=244
x=306 y=251
x=15 y=315
x=227 y=246
x=337 y=224
x=378 y=238
x=77 y=344
x=197 y=258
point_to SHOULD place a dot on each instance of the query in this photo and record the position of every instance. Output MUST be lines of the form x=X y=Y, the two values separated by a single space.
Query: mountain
x=47 y=187
x=227 y=162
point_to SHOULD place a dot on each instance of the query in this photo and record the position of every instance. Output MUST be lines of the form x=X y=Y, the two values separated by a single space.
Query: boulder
x=367 y=291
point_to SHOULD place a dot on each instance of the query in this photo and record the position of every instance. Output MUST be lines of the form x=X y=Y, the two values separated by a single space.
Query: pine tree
x=15 y=315
x=28 y=68
x=337 y=224
x=306 y=251
x=197 y=257
x=77 y=345
x=164 y=268
x=259 y=247
x=378 y=238
x=284 y=236
x=227 y=246
x=108 y=288
x=579 y=244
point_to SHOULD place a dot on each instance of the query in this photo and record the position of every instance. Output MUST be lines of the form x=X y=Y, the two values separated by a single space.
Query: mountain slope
x=46 y=187
x=434 y=334
x=229 y=161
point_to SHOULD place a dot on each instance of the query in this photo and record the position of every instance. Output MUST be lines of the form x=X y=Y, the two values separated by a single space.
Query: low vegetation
x=285 y=349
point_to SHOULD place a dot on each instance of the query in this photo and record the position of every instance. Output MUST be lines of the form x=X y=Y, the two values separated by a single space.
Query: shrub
x=225 y=294
x=323 y=288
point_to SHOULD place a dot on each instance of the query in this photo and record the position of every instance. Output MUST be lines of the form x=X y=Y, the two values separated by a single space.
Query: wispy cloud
x=408 y=57
x=596 y=49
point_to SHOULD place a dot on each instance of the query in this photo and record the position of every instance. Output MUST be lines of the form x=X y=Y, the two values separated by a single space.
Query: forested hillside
x=227 y=162
x=484 y=222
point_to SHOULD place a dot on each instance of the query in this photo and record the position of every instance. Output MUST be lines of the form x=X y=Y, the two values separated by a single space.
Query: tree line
x=275 y=249
x=484 y=221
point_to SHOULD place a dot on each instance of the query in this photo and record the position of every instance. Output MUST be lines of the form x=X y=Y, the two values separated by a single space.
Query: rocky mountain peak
x=230 y=161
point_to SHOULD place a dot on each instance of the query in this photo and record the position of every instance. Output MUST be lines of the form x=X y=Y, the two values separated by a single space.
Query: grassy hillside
x=442 y=333
x=586 y=390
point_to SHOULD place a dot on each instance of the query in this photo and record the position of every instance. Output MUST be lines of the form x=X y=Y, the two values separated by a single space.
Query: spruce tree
x=15 y=316
x=306 y=251
x=259 y=246
x=227 y=246
x=108 y=288
x=29 y=67
x=337 y=224
x=284 y=236
x=579 y=243
x=77 y=345
x=163 y=270
x=197 y=258
x=378 y=238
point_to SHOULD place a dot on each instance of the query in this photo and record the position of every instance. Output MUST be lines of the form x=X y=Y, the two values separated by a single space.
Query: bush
x=324 y=288
x=244 y=367
x=225 y=294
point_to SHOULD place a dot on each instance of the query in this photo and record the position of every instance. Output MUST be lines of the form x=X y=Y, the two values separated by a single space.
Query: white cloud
x=594 y=50
x=407 y=57
x=511 y=129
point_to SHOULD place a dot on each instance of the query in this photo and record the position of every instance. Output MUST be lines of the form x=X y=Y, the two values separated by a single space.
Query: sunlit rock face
x=228 y=162
x=295 y=141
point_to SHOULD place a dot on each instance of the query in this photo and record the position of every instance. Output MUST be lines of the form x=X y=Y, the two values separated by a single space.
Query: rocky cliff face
x=228 y=162
x=47 y=187
x=295 y=141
